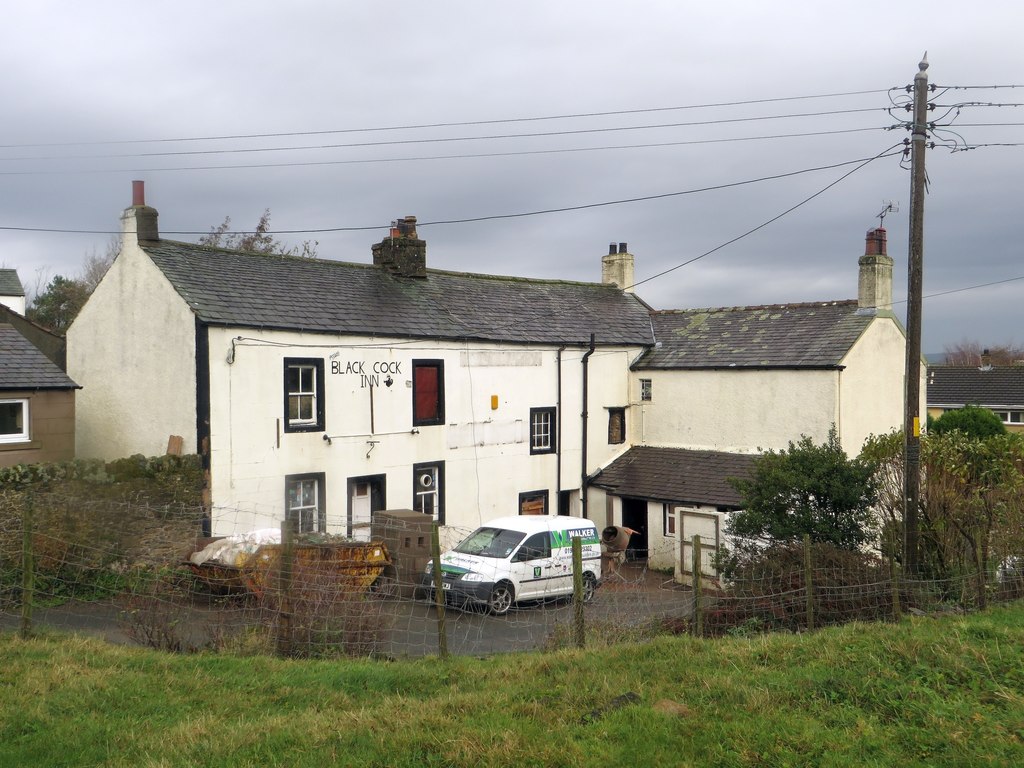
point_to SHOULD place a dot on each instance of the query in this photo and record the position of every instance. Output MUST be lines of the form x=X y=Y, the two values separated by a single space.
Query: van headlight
x=470 y=576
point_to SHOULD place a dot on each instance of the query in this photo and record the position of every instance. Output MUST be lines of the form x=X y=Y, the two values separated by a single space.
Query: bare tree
x=259 y=240
x=969 y=353
x=96 y=264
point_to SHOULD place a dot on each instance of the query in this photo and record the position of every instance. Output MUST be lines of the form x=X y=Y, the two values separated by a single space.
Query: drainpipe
x=558 y=429
x=584 y=479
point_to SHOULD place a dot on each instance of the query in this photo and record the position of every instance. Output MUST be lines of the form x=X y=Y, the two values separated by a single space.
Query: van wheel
x=589 y=586
x=501 y=599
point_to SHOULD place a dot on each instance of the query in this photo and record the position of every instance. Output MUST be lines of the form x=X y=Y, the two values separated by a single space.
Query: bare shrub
x=767 y=589
x=325 y=613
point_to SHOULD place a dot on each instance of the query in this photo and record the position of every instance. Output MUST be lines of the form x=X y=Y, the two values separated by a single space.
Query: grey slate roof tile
x=22 y=366
x=677 y=475
x=957 y=386
x=10 y=285
x=233 y=288
x=813 y=335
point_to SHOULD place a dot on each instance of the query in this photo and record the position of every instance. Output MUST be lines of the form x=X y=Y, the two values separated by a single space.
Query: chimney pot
x=874 y=244
x=138 y=193
x=617 y=267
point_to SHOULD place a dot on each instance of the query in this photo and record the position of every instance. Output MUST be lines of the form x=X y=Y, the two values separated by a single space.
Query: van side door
x=532 y=567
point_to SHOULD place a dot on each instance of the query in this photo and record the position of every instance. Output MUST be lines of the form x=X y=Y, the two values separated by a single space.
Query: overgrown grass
x=923 y=692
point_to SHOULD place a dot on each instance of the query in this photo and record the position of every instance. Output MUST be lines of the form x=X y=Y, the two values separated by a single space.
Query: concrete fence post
x=698 y=588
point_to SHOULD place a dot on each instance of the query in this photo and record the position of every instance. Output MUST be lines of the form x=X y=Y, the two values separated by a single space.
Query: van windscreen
x=491 y=542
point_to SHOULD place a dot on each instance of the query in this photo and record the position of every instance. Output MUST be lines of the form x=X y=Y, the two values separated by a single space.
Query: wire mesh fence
x=136 y=573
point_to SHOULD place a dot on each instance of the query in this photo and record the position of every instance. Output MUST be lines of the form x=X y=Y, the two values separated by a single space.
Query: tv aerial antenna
x=890 y=206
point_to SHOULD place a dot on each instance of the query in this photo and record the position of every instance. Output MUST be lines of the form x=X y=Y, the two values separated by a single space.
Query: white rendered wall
x=485 y=450
x=871 y=396
x=736 y=410
x=132 y=349
x=17 y=303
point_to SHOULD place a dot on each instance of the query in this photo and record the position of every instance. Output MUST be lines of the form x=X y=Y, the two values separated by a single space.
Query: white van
x=518 y=558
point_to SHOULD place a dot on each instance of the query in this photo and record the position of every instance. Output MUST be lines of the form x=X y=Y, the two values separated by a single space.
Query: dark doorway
x=634 y=515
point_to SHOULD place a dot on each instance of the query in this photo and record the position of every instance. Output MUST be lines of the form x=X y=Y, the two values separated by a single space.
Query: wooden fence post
x=285 y=577
x=28 y=573
x=698 y=588
x=980 y=563
x=578 y=628
x=435 y=552
x=809 y=581
x=894 y=577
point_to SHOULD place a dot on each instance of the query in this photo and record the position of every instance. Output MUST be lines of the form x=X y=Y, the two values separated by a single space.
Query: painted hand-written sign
x=371 y=373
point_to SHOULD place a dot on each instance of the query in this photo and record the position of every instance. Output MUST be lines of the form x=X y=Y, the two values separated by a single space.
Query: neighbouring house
x=37 y=398
x=12 y=292
x=998 y=388
x=322 y=390
x=742 y=380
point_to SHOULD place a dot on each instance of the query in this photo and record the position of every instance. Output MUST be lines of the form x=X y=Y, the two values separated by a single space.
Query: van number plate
x=446 y=585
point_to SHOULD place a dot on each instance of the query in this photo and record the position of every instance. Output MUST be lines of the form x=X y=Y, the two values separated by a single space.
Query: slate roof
x=676 y=475
x=22 y=366
x=10 y=285
x=957 y=386
x=233 y=288
x=815 y=335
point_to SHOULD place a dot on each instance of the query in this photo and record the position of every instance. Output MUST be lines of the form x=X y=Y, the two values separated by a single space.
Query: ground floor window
x=14 y=421
x=669 y=515
x=1011 y=417
x=533 y=503
x=428 y=489
x=304 y=502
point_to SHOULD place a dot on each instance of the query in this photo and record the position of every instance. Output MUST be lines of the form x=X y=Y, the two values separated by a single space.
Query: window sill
x=21 y=445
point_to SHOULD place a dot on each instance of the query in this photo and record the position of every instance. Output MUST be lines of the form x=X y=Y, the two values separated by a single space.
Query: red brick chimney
x=874 y=287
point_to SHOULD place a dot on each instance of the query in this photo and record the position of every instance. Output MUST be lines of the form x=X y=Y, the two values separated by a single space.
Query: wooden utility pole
x=915 y=269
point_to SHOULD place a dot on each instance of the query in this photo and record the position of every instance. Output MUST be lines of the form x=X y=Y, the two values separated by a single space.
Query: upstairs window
x=303 y=394
x=14 y=421
x=542 y=430
x=616 y=426
x=427 y=392
x=646 y=390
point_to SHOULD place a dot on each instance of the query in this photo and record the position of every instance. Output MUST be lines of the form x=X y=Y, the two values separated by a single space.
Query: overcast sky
x=97 y=94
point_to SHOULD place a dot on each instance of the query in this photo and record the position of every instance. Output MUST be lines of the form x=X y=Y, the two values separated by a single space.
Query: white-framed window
x=14 y=421
x=646 y=390
x=668 y=514
x=304 y=496
x=428 y=489
x=542 y=430
x=1010 y=417
x=303 y=394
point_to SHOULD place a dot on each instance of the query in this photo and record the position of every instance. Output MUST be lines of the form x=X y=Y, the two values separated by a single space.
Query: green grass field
x=927 y=692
